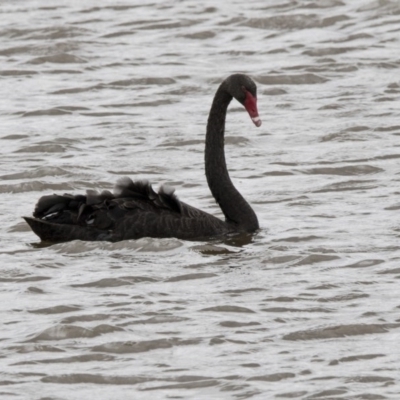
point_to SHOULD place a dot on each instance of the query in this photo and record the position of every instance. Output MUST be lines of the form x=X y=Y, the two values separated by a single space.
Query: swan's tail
x=53 y=232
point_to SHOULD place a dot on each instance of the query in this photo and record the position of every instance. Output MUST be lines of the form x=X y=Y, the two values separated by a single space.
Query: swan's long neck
x=236 y=209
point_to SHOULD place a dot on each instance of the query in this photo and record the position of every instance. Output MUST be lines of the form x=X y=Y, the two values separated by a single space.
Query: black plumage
x=136 y=210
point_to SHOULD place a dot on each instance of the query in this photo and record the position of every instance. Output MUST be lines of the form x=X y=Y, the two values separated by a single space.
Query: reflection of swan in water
x=135 y=210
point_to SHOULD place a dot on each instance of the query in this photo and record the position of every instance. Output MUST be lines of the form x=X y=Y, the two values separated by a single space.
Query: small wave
x=203 y=35
x=360 y=357
x=151 y=245
x=144 y=81
x=16 y=72
x=296 y=239
x=237 y=324
x=118 y=34
x=63 y=71
x=372 y=379
x=36 y=173
x=317 y=258
x=383 y=99
x=143 y=346
x=94 y=379
x=21 y=279
x=390 y=271
x=73 y=359
x=106 y=114
x=15 y=137
x=364 y=264
x=19 y=227
x=154 y=103
x=211 y=249
x=50 y=111
x=348 y=185
x=55 y=310
x=234 y=292
x=274 y=92
x=43 y=148
x=393 y=207
x=381 y=7
x=34 y=186
x=340 y=331
x=331 y=107
x=116 y=282
x=236 y=140
x=164 y=25
x=345 y=297
x=344 y=171
x=297 y=310
x=187 y=277
x=180 y=143
x=158 y=319
x=273 y=377
x=62 y=58
x=61 y=332
x=194 y=384
x=282 y=22
x=330 y=51
x=59 y=32
x=282 y=259
x=388 y=128
x=301 y=79
x=356 y=36
x=79 y=90
x=85 y=318
x=33 y=348
x=347 y=135
x=323 y=4
x=230 y=309
x=16 y=50
x=277 y=173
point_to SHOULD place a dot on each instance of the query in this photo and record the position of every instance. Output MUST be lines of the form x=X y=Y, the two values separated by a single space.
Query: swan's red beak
x=250 y=105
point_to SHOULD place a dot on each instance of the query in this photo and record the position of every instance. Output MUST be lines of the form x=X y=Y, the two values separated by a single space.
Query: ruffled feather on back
x=128 y=194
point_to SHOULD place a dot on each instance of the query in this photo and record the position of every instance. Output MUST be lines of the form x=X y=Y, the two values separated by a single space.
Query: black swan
x=135 y=210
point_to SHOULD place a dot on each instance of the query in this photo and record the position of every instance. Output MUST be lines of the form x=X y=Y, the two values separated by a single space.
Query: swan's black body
x=135 y=210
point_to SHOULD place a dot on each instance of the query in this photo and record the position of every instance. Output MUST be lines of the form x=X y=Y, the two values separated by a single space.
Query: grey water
x=309 y=308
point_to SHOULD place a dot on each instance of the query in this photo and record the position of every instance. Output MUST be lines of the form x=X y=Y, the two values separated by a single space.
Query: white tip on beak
x=257 y=121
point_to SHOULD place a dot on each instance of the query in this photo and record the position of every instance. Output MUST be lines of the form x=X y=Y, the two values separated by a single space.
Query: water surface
x=309 y=309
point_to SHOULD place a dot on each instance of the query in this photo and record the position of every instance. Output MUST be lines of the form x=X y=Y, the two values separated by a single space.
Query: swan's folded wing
x=131 y=212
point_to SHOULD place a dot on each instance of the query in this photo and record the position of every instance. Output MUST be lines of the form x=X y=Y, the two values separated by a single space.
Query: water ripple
x=308 y=307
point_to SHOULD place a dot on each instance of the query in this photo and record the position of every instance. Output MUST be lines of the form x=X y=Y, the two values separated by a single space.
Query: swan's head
x=244 y=90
